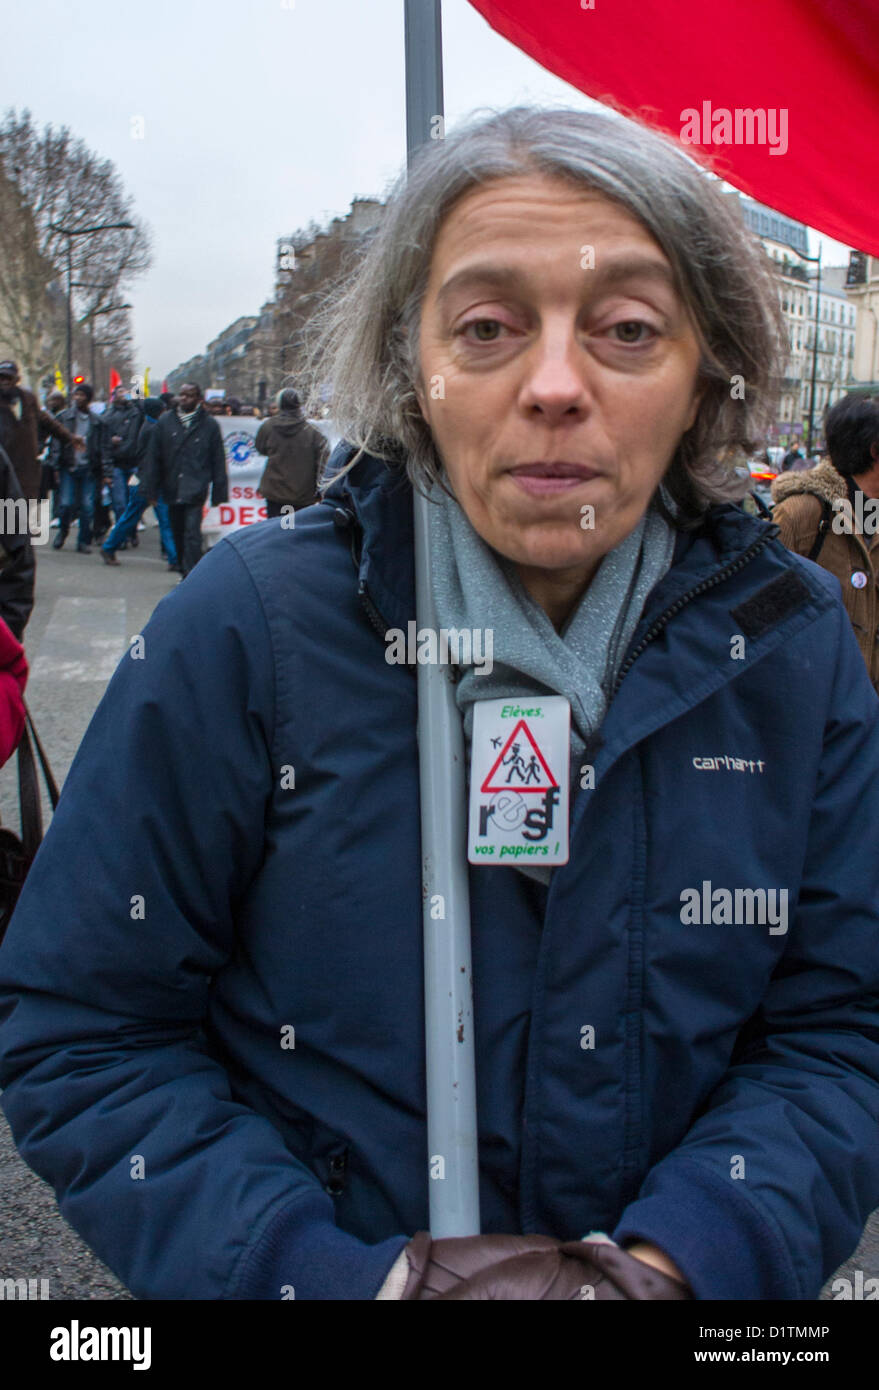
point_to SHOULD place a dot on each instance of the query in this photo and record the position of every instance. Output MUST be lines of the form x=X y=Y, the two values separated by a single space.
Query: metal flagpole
x=453 y=1163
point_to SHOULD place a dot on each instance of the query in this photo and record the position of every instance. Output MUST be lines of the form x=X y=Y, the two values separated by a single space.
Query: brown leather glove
x=620 y=1275
x=529 y=1269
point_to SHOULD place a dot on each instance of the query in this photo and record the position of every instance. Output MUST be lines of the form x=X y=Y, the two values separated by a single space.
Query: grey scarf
x=475 y=588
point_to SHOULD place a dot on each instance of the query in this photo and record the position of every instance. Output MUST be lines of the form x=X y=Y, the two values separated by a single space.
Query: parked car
x=762 y=475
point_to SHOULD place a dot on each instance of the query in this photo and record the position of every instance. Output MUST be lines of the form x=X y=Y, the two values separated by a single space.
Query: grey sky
x=259 y=116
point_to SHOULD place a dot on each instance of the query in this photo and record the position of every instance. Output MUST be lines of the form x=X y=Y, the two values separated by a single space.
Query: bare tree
x=30 y=318
x=59 y=182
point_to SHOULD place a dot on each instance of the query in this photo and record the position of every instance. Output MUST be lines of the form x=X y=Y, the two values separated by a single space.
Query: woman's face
x=558 y=371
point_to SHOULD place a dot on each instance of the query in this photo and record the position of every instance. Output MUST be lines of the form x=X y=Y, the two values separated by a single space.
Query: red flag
x=783 y=95
x=115 y=380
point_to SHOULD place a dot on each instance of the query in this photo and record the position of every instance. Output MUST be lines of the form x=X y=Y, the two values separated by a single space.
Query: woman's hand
x=531 y=1269
x=652 y=1255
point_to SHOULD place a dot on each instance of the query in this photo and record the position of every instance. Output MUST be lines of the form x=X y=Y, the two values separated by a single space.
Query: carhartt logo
x=725 y=763
x=75 y=1343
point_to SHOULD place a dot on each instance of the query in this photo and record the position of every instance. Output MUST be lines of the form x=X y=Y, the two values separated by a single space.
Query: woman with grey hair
x=559 y=332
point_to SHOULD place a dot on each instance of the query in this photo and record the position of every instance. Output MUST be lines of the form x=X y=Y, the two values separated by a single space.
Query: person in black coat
x=17 y=565
x=123 y=422
x=186 y=458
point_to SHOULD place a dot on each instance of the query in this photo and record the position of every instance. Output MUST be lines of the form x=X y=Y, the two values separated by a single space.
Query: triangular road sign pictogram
x=518 y=771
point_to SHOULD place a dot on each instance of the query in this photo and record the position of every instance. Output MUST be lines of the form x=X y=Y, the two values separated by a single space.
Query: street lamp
x=110 y=309
x=70 y=233
x=815 y=260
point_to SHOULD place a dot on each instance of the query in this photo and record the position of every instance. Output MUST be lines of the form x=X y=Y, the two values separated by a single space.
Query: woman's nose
x=556 y=382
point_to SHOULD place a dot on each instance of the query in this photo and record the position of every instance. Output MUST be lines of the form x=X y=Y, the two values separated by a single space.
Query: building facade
x=259 y=353
x=862 y=287
x=787 y=244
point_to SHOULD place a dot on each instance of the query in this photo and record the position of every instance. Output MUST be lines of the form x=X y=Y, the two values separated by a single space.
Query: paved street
x=85 y=615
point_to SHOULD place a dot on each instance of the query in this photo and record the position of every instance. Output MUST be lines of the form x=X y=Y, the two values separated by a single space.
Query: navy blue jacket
x=250 y=784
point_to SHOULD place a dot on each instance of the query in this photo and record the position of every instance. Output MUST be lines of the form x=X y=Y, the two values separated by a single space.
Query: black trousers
x=185 y=518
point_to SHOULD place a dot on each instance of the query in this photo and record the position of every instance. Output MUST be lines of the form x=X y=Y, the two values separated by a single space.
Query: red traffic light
x=78 y=380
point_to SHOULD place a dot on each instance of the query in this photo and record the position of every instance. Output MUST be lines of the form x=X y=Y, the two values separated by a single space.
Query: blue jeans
x=127 y=525
x=119 y=492
x=77 y=495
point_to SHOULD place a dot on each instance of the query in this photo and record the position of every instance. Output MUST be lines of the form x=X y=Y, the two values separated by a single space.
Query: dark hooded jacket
x=17 y=566
x=296 y=452
x=230 y=984
x=21 y=423
x=122 y=420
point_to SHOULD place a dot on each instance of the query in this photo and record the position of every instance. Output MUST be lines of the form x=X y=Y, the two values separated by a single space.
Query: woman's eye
x=484 y=330
x=632 y=331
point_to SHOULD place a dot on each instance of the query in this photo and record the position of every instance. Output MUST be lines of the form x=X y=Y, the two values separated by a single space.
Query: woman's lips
x=547 y=479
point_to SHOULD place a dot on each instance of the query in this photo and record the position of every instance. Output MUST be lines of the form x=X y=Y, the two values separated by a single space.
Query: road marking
x=83 y=641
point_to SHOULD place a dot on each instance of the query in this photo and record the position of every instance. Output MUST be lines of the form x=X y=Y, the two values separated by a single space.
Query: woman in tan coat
x=830 y=514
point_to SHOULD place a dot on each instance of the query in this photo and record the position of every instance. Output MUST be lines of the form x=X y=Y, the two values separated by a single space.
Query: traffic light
x=857 y=268
x=78 y=380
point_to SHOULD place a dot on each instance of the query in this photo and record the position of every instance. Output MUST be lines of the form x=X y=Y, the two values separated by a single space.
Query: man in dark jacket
x=56 y=401
x=79 y=469
x=17 y=567
x=186 y=458
x=122 y=424
x=296 y=453
x=125 y=530
x=21 y=418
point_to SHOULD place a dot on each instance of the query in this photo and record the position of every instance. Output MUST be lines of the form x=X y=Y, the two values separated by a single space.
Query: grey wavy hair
x=364 y=340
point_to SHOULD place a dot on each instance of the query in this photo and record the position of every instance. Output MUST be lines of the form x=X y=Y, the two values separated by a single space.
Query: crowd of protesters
x=103 y=467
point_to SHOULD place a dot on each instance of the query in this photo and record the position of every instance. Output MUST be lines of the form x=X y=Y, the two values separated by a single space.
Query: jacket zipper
x=528 y=1189
x=659 y=623
x=370 y=609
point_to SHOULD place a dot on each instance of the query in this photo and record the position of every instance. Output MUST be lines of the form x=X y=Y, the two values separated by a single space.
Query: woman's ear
x=698 y=396
x=418 y=385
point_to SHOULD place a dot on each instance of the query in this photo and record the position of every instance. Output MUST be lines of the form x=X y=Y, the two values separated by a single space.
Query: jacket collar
x=198 y=417
x=822 y=481
x=377 y=498
x=711 y=561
